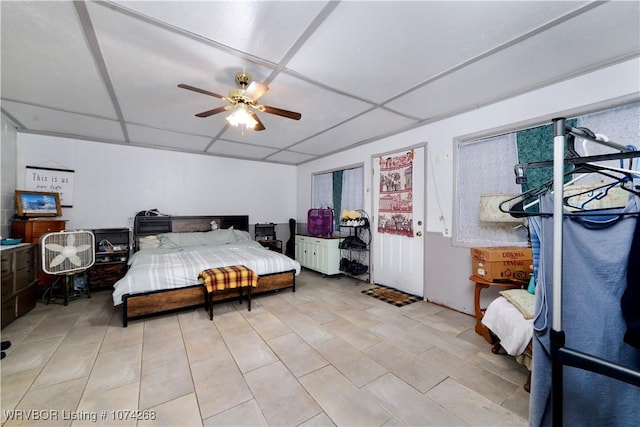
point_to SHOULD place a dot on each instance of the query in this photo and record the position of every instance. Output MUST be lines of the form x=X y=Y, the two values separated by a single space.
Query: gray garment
x=595 y=256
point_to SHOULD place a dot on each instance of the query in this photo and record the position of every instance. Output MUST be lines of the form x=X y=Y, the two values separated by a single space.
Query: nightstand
x=112 y=255
x=274 y=245
x=481 y=284
x=266 y=235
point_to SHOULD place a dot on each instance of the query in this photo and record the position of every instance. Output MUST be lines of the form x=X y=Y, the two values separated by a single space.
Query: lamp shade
x=490 y=209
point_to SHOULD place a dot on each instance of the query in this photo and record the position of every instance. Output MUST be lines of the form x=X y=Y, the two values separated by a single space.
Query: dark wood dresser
x=31 y=230
x=19 y=281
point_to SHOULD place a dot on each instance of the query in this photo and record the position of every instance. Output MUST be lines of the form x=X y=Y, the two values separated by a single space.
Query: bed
x=510 y=320
x=170 y=252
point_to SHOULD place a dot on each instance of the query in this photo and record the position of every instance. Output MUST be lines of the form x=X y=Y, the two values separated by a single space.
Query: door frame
x=373 y=209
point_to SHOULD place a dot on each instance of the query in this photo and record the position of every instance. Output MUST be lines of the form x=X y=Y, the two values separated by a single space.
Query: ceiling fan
x=243 y=100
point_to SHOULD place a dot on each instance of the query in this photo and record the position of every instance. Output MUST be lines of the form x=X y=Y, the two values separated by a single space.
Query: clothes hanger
x=597 y=194
x=518 y=209
x=515 y=206
x=567 y=184
x=581 y=164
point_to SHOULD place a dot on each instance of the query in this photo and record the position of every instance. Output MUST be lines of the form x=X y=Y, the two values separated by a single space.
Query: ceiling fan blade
x=214 y=111
x=206 y=92
x=258 y=126
x=279 y=112
x=256 y=90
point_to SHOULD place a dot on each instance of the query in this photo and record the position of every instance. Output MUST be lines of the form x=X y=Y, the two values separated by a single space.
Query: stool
x=224 y=278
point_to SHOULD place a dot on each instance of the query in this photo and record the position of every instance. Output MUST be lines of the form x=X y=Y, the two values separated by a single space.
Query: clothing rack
x=628 y=154
x=560 y=355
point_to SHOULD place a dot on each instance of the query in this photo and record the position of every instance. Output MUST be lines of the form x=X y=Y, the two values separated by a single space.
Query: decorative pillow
x=522 y=300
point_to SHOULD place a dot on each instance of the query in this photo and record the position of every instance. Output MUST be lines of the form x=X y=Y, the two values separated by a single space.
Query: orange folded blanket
x=222 y=278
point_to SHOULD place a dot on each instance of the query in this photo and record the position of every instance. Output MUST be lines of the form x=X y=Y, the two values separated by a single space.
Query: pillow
x=182 y=240
x=196 y=238
x=522 y=300
x=148 y=242
x=220 y=237
x=242 y=236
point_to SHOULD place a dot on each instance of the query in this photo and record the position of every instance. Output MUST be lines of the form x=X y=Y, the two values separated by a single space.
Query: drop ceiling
x=357 y=71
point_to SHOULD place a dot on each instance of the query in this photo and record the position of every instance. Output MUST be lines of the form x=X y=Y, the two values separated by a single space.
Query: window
x=486 y=167
x=340 y=190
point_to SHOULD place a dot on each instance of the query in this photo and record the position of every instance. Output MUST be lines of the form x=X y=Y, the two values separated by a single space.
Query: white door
x=398 y=260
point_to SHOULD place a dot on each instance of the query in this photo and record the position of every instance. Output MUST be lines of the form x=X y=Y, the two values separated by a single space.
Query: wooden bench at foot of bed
x=135 y=306
x=223 y=279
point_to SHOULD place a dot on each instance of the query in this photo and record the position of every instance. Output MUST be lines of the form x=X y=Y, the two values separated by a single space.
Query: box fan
x=65 y=254
x=320 y=222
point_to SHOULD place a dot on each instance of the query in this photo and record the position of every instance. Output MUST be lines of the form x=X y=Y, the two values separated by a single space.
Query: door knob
x=419 y=233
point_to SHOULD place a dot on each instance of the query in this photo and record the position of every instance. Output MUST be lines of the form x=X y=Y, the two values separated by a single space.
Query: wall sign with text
x=51 y=180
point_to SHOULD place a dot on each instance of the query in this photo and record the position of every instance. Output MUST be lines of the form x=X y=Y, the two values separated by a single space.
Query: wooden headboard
x=149 y=225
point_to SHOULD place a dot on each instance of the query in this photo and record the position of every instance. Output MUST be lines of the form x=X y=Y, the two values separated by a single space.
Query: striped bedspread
x=158 y=269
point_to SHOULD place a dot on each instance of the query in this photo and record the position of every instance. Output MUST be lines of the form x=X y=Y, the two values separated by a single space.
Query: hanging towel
x=630 y=302
x=594 y=274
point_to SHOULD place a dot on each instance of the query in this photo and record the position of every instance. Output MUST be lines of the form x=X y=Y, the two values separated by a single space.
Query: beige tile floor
x=324 y=355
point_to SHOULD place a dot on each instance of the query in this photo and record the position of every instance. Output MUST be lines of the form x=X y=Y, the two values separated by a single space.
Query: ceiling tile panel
x=146 y=63
x=384 y=48
x=228 y=148
x=535 y=62
x=46 y=61
x=368 y=125
x=290 y=157
x=266 y=29
x=60 y=122
x=161 y=138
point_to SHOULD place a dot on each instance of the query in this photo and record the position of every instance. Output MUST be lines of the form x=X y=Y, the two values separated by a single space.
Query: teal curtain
x=536 y=145
x=337 y=198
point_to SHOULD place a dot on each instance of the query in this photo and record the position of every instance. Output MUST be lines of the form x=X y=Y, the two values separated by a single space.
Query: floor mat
x=392 y=296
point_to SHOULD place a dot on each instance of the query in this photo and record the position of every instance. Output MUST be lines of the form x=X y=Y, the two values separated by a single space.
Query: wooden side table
x=481 y=284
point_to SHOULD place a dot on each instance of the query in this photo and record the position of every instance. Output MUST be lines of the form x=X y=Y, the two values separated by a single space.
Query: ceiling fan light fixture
x=241 y=116
x=241 y=101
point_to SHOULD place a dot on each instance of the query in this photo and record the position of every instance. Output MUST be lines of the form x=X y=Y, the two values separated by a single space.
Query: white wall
x=113 y=182
x=8 y=176
x=450 y=286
